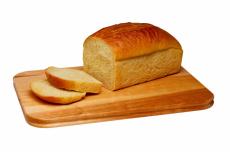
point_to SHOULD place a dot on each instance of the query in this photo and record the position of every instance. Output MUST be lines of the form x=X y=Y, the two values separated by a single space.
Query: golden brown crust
x=129 y=40
x=59 y=100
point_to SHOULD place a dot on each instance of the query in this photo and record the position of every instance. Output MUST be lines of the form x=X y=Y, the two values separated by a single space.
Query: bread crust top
x=129 y=40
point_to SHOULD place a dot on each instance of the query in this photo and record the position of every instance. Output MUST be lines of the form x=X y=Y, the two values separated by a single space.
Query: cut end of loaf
x=99 y=61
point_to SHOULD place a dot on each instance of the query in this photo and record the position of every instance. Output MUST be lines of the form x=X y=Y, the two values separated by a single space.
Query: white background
x=37 y=34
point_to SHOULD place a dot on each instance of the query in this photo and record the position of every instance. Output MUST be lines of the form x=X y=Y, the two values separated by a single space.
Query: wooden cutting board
x=175 y=93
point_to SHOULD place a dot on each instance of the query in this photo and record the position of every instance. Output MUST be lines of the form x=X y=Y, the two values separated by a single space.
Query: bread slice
x=44 y=90
x=71 y=79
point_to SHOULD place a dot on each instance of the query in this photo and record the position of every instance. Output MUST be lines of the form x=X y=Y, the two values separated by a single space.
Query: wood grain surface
x=175 y=93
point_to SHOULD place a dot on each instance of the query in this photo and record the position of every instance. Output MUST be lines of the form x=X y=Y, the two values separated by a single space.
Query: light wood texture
x=175 y=93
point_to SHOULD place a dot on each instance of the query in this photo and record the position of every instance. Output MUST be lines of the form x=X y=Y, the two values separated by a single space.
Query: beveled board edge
x=37 y=123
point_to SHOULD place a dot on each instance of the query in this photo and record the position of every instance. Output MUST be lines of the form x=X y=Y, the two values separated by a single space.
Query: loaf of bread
x=126 y=54
x=71 y=79
x=44 y=90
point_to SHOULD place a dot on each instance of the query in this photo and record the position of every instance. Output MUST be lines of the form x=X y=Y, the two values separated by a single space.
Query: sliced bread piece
x=44 y=90
x=71 y=79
